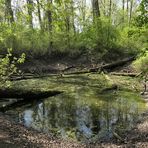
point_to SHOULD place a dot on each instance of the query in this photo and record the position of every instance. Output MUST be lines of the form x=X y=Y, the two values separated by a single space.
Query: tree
x=68 y=24
x=123 y=2
x=30 y=12
x=141 y=65
x=39 y=13
x=73 y=16
x=127 y=9
x=110 y=8
x=96 y=9
x=131 y=8
x=49 y=15
x=8 y=11
x=142 y=18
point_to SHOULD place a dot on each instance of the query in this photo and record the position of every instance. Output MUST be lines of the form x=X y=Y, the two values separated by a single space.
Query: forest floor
x=14 y=135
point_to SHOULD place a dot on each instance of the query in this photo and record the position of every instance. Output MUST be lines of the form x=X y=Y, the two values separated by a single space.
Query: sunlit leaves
x=141 y=64
x=8 y=67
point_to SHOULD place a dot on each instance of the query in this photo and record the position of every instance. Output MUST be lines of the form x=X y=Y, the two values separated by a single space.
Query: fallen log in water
x=14 y=104
x=27 y=94
x=125 y=74
x=110 y=89
x=23 y=97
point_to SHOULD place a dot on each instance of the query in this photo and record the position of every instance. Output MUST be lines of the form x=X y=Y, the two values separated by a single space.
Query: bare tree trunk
x=30 y=10
x=127 y=7
x=110 y=8
x=73 y=17
x=67 y=24
x=131 y=8
x=83 y=10
x=123 y=1
x=109 y=21
x=96 y=9
x=39 y=13
x=49 y=15
x=9 y=11
x=103 y=6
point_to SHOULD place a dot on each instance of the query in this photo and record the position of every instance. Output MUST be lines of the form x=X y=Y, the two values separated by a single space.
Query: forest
x=73 y=73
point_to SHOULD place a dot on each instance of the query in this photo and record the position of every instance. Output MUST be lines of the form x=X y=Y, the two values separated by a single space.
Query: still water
x=83 y=115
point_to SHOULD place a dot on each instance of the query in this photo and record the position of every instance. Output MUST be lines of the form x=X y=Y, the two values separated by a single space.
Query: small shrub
x=8 y=67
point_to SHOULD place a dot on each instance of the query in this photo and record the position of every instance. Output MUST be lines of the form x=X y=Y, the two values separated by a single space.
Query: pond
x=83 y=114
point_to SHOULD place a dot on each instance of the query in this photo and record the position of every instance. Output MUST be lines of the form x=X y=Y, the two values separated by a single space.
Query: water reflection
x=83 y=115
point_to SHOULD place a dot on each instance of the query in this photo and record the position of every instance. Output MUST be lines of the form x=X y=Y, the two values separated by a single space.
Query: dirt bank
x=17 y=136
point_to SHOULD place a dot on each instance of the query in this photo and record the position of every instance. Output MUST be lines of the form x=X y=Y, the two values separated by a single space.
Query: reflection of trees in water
x=127 y=112
x=96 y=120
x=39 y=117
x=56 y=114
x=64 y=114
x=86 y=120
x=105 y=119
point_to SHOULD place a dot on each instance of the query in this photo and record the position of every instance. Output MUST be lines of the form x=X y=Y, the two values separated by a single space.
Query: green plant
x=142 y=62
x=8 y=67
x=141 y=65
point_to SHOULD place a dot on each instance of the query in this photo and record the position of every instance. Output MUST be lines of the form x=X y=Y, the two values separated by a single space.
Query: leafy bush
x=21 y=38
x=100 y=39
x=133 y=39
x=141 y=64
x=8 y=67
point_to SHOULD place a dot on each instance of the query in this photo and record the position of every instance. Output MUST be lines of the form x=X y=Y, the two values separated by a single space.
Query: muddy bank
x=54 y=66
x=16 y=135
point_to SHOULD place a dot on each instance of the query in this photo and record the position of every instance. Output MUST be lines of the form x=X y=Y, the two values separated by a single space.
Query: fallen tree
x=125 y=74
x=111 y=66
x=107 y=67
x=23 y=97
x=110 y=89
x=27 y=94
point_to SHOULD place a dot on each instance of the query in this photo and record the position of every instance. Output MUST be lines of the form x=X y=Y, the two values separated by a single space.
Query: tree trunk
x=73 y=17
x=110 y=8
x=131 y=7
x=26 y=94
x=108 y=67
x=125 y=74
x=49 y=15
x=30 y=11
x=39 y=13
x=96 y=9
x=127 y=7
x=23 y=97
x=67 y=22
x=103 y=6
x=83 y=10
x=123 y=1
x=9 y=11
